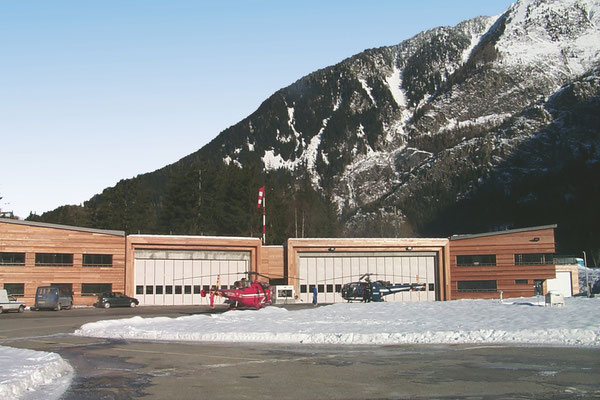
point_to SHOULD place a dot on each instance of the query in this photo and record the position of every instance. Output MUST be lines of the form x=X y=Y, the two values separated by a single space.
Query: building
x=173 y=270
x=80 y=261
x=514 y=262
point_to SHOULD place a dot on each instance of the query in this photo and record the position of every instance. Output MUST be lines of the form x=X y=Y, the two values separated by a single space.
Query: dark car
x=116 y=299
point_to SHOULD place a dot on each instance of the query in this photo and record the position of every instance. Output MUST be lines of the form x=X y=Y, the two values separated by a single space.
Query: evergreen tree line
x=207 y=198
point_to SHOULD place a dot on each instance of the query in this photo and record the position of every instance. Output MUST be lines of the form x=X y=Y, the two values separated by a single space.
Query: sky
x=523 y=321
x=95 y=92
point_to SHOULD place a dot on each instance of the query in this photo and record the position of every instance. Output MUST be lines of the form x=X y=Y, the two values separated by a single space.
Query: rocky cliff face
x=408 y=130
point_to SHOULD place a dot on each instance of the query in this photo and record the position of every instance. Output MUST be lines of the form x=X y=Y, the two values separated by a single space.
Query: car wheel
x=22 y=308
x=107 y=305
x=132 y=304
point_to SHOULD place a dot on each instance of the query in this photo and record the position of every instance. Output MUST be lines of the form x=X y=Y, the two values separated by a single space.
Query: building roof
x=504 y=232
x=65 y=227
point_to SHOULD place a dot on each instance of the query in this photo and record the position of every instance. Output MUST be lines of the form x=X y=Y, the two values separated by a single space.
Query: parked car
x=10 y=303
x=116 y=299
x=52 y=298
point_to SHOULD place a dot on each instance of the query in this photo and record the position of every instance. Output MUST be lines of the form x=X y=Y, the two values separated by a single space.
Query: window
x=159 y=290
x=477 y=286
x=139 y=289
x=53 y=260
x=96 y=289
x=338 y=288
x=97 y=260
x=321 y=288
x=169 y=289
x=329 y=288
x=534 y=259
x=197 y=289
x=431 y=287
x=15 y=289
x=302 y=288
x=149 y=289
x=478 y=260
x=187 y=289
x=521 y=281
x=178 y=289
x=64 y=288
x=15 y=259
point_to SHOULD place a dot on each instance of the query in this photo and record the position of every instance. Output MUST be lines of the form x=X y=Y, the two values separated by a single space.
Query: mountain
x=489 y=124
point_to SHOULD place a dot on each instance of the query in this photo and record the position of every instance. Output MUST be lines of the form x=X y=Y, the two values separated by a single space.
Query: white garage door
x=330 y=271
x=174 y=277
x=562 y=283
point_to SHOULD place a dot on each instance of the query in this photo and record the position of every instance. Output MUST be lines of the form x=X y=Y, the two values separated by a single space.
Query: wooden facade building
x=514 y=262
x=82 y=261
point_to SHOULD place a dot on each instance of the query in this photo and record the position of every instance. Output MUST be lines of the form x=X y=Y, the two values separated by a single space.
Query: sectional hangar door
x=330 y=271
x=176 y=277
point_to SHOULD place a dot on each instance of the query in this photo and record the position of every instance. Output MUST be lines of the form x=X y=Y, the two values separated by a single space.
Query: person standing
x=314 y=291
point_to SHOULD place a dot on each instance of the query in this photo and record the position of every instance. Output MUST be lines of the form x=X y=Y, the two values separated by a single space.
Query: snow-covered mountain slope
x=364 y=127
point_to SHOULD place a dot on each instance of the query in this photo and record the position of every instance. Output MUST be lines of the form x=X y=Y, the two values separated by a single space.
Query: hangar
x=173 y=270
x=329 y=263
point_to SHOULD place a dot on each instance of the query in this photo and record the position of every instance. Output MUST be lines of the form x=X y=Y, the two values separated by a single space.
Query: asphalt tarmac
x=117 y=369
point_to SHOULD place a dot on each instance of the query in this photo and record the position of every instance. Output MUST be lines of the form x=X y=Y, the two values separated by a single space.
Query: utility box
x=285 y=294
x=554 y=298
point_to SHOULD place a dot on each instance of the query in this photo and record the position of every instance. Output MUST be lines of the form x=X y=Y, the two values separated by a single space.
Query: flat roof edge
x=504 y=232
x=64 y=227
x=194 y=237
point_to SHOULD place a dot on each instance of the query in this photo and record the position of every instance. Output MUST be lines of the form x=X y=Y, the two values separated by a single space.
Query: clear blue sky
x=92 y=92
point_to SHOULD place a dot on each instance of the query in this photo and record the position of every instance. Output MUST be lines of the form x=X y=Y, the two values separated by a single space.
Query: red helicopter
x=256 y=294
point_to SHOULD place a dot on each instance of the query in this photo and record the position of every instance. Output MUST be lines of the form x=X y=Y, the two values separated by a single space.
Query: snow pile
x=26 y=372
x=593 y=274
x=522 y=321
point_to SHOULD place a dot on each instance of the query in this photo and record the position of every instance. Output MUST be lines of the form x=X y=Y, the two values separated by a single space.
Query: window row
x=176 y=289
x=337 y=288
x=483 y=260
x=56 y=259
x=485 y=285
x=87 y=289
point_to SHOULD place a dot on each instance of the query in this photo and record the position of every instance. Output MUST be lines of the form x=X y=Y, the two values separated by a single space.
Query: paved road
x=116 y=369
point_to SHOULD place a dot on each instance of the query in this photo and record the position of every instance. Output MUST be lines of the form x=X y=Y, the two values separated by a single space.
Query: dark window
x=15 y=289
x=477 y=286
x=187 y=289
x=206 y=288
x=169 y=289
x=431 y=287
x=302 y=288
x=95 y=289
x=97 y=260
x=329 y=288
x=64 y=288
x=17 y=259
x=534 y=259
x=197 y=289
x=149 y=289
x=177 y=289
x=139 y=289
x=478 y=260
x=53 y=260
x=311 y=288
x=321 y=288
x=521 y=281
x=338 y=288
x=159 y=290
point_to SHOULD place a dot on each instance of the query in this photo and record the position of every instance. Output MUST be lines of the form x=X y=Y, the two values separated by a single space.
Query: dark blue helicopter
x=367 y=290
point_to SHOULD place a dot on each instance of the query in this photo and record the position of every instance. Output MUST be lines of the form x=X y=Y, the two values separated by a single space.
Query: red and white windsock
x=261 y=196
x=262 y=201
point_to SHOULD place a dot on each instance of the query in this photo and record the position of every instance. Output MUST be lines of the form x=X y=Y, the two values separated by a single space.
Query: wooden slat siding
x=31 y=239
x=504 y=246
x=272 y=262
x=439 y=246
x=158 y=242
